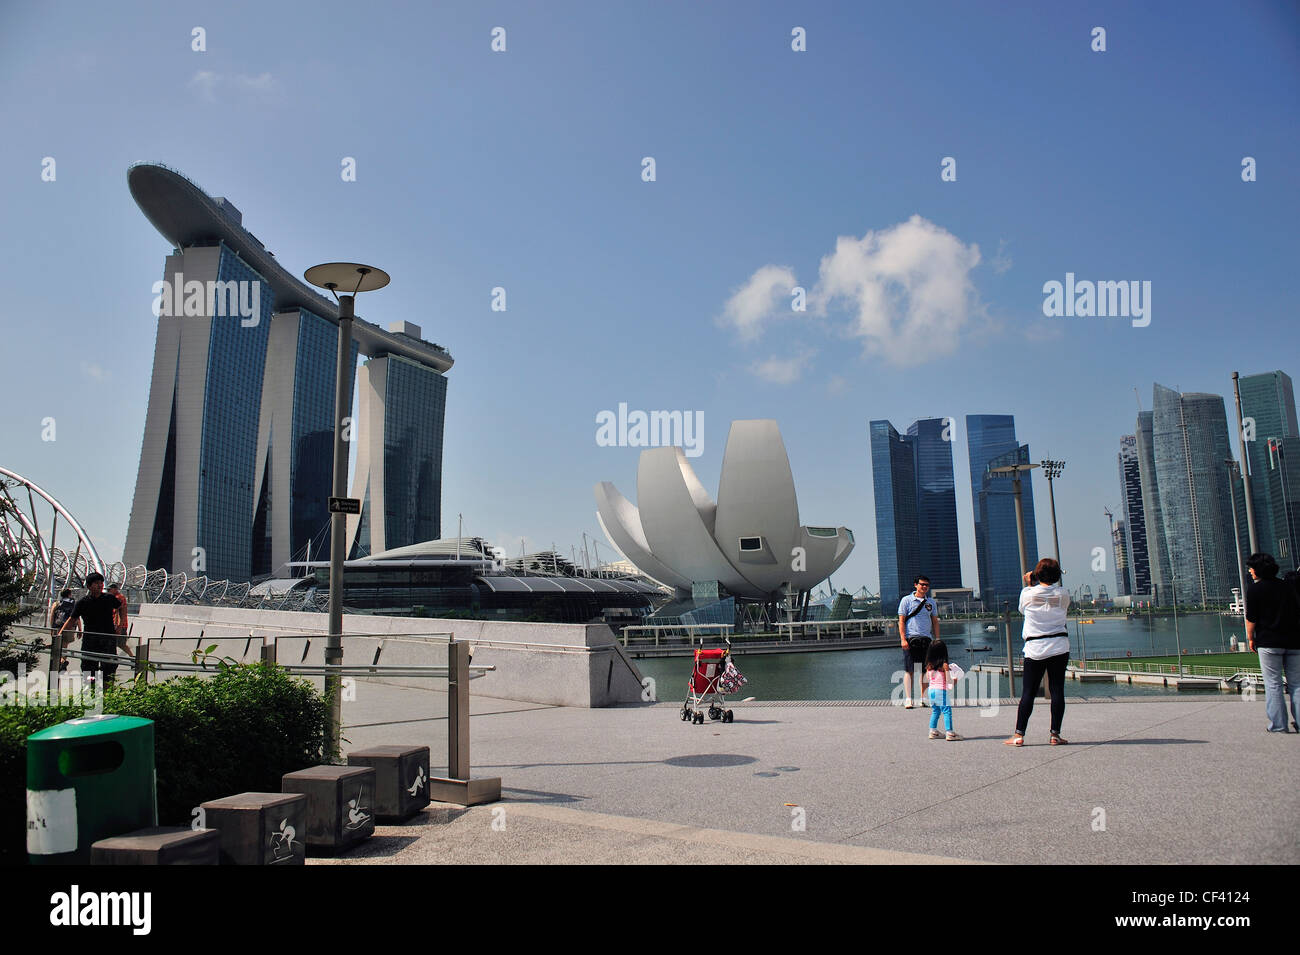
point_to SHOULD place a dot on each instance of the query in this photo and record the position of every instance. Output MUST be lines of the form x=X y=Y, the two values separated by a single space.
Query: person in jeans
x=1273 y=629
x=936 y=670
x=917 y=624
x=1047 y=646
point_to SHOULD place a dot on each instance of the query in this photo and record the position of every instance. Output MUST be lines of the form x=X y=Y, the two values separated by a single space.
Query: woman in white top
x=1047 y=646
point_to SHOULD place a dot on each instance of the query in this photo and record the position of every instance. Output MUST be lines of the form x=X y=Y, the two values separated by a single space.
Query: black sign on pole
x=345 y=505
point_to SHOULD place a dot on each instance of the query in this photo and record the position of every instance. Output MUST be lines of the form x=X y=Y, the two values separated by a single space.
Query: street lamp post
x=352 y=279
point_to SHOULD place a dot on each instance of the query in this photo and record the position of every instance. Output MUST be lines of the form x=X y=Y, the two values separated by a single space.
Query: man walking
x=918 y=624
x=97 y=612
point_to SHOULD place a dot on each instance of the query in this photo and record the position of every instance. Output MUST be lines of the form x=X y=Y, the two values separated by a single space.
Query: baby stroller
x=713 y=676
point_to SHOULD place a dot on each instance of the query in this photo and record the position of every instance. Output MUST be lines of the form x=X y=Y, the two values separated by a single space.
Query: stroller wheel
x=699 y=717
x=715 y=713
x=686 y=714
x=728 y=717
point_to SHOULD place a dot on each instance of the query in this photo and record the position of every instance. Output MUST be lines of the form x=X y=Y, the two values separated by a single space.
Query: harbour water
x=870 y=674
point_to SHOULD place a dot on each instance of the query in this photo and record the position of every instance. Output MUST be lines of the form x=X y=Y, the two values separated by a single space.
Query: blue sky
x=523 y=169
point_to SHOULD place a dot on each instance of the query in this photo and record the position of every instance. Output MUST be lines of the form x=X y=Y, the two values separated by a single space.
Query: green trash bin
x=88 y=779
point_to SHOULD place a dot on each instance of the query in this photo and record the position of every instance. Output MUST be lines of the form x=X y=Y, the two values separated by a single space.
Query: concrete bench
x=260 y=828
x=159 y=845
x=401 y=779
x=340 y=804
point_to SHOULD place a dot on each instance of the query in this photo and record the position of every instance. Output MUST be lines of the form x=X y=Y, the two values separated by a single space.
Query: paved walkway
x=1172 y=780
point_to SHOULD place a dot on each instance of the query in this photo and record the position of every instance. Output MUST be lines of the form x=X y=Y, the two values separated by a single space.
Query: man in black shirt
x=99 y=634
x=1273 y=628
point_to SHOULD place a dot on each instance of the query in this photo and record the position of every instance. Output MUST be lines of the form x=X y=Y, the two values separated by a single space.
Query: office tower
x=916 y=507
x=1190 y=436
x=1134 y=520
x=295 y=441
x=1283 y=477
x=936 y=501
x=399 y=463
x=1268 y=400
x=990 y=439
x=236 y=463
x=893 y=475
x=1119 y=547
x=1152 y=517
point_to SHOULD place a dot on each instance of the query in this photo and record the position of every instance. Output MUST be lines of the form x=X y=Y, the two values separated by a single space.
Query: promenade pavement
x=1169 y=780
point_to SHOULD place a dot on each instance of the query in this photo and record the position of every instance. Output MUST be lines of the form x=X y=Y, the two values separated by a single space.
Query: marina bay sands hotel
x=237 y=456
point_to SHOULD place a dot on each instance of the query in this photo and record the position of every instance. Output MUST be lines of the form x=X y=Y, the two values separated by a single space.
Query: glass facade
x=1269 y=399
x=936 y=502
x=1190 y=434
x=997 y=544
x=311 y=473
x=415 y=402
x=1153 y=517
x=228 y=446
x=893 y=475
x=1130 y=486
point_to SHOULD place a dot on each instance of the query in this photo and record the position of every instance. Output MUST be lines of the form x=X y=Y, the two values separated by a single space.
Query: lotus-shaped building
x=750 y=541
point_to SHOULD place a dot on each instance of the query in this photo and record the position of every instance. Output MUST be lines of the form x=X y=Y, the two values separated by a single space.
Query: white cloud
x=837 y=385
x=782 y=370
x=1001 y=261
x=93 y=371
x=761 y=298
x=207 y=83
x=908 y=286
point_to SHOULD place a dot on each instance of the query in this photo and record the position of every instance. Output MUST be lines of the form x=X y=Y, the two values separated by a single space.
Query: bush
x=237 y=731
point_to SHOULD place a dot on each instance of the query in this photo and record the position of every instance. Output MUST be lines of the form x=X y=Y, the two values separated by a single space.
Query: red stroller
x=712 y=676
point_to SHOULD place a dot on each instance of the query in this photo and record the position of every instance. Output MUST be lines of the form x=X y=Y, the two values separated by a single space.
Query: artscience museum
x=748 y=544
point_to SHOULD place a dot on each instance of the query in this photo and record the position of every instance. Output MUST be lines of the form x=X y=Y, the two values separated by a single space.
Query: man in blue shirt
x=918 y=624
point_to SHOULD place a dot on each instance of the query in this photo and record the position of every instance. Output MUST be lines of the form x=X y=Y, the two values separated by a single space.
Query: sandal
x=935 y=734
x=1057 y=741
x=953 y=736
x=1017 y=740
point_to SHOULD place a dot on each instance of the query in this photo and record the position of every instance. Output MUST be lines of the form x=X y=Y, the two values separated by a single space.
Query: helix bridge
x=55 y=552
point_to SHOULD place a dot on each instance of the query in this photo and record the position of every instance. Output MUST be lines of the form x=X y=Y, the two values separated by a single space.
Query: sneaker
x=953 y=736
x=935 y=734
x=908 y=704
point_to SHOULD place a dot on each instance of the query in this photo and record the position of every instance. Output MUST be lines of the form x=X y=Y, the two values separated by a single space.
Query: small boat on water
x=978 y=649
x=990 y=629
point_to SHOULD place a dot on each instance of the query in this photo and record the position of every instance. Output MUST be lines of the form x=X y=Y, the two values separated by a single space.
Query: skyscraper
x=997 y=548
x=1268 y=400
x=936 y=501
x=1152 y=517
x=893 y=474
x=1190 y=435
x=1134 y=519
x=916 y=507
x=237 y=457
x=1119 y=547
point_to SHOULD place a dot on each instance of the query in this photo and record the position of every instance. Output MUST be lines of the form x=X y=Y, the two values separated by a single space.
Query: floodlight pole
x=1236 y=538
x=1245 y=470
x=1052 y=470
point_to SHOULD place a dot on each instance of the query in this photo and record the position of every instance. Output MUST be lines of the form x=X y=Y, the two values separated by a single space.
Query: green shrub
x=237 y=731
